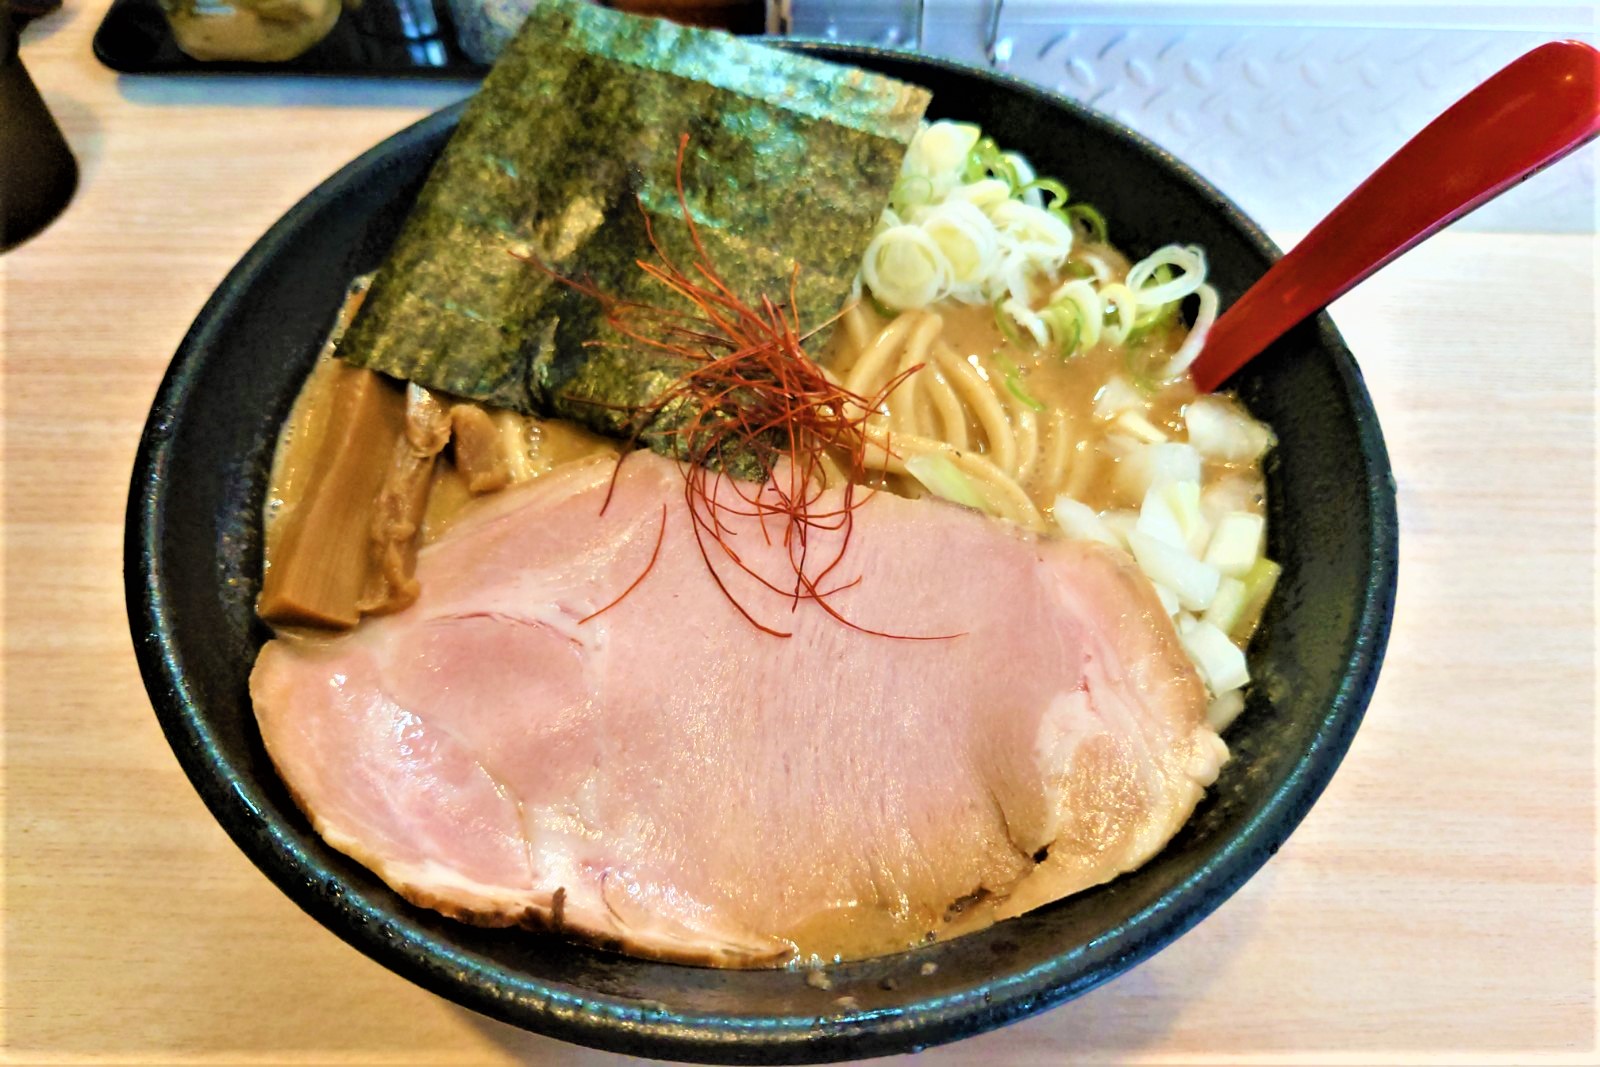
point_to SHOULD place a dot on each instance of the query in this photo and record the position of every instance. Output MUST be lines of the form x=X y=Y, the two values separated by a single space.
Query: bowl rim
x=617 y=1023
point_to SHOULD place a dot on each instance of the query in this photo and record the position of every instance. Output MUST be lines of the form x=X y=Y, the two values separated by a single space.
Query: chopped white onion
x=1258 y=585
x=1115 y=397
x=1220 y=662
x=1193 y=581
x=1227 y=607
x=1136 y=425
x=1158 y=520
x=1237 y=543
x=1183 y=499
x=1141 y=466
x=1121 y=523
x=1232 y=492
x=1079 y=521
x=1224 y=709
x=1224 y=433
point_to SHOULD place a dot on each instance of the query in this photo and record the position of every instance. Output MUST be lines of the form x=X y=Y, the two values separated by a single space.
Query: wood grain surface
x=1438 y=904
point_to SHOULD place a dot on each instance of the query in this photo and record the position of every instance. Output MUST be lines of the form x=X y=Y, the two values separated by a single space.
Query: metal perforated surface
x=1286 y=109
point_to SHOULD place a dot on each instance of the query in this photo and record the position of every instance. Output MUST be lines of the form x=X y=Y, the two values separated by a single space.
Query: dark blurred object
x=385 y=38
x=37 y=171
x=25 y=11
x=377 y=38
x=484 y=27
x=736 y=16
x=252 y=31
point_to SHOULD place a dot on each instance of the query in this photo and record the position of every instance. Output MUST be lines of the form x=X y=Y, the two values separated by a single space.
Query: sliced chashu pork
x=666 y=779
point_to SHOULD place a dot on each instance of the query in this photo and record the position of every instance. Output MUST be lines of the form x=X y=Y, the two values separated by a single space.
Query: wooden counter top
x=1438 y=904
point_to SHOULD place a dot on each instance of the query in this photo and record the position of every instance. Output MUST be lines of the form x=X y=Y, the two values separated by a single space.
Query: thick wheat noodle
x=871 y=368
x=909 y=409
x=902 y=403
x=981 y=401
x=904 y=413
x=1027 y=443
x=1084 y=465
x=952 y=416
x=935 y=410
x=832 y=472
x=856 y=327
x=996 y=485
x=1058 y=447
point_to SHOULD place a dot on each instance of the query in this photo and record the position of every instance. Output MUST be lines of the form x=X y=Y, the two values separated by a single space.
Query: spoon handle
x=1536 y=110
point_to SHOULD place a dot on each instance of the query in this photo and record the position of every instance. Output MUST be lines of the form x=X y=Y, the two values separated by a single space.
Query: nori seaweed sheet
x=575 y=129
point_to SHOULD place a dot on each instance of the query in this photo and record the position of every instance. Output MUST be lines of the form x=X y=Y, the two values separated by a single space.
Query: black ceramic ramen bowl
x=193 y=558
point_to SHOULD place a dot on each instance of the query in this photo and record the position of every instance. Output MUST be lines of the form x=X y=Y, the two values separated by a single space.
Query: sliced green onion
x=1137 y=361
x=1227 y=609
x=1057 y=191
x=1007 y=173
x=1014 y=386
x=1066 y=325
x=978 y=160
x=944 y=479
x=1077 y=269
x=1155 y=282
x=1090 y=219
x=987 y=161
x=1119 y=307
x=884 y=310
x=1002 y=319
x=904 y=187
x=1083 y=301
x=1146 y=324
x=1258 y=586
x=1160 y=315
x=1160 y=276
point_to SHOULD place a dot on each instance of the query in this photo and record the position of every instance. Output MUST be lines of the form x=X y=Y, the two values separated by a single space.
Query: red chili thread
x=750 y=389
x=661 y=535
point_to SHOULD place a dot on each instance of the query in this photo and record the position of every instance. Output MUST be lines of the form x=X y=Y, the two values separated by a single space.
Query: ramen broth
x=1057 y=402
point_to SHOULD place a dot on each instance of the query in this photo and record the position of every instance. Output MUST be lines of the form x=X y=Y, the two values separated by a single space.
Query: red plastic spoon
x=1539 y=108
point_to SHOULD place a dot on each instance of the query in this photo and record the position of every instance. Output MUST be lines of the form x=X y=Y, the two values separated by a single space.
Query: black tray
x=380 y=38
